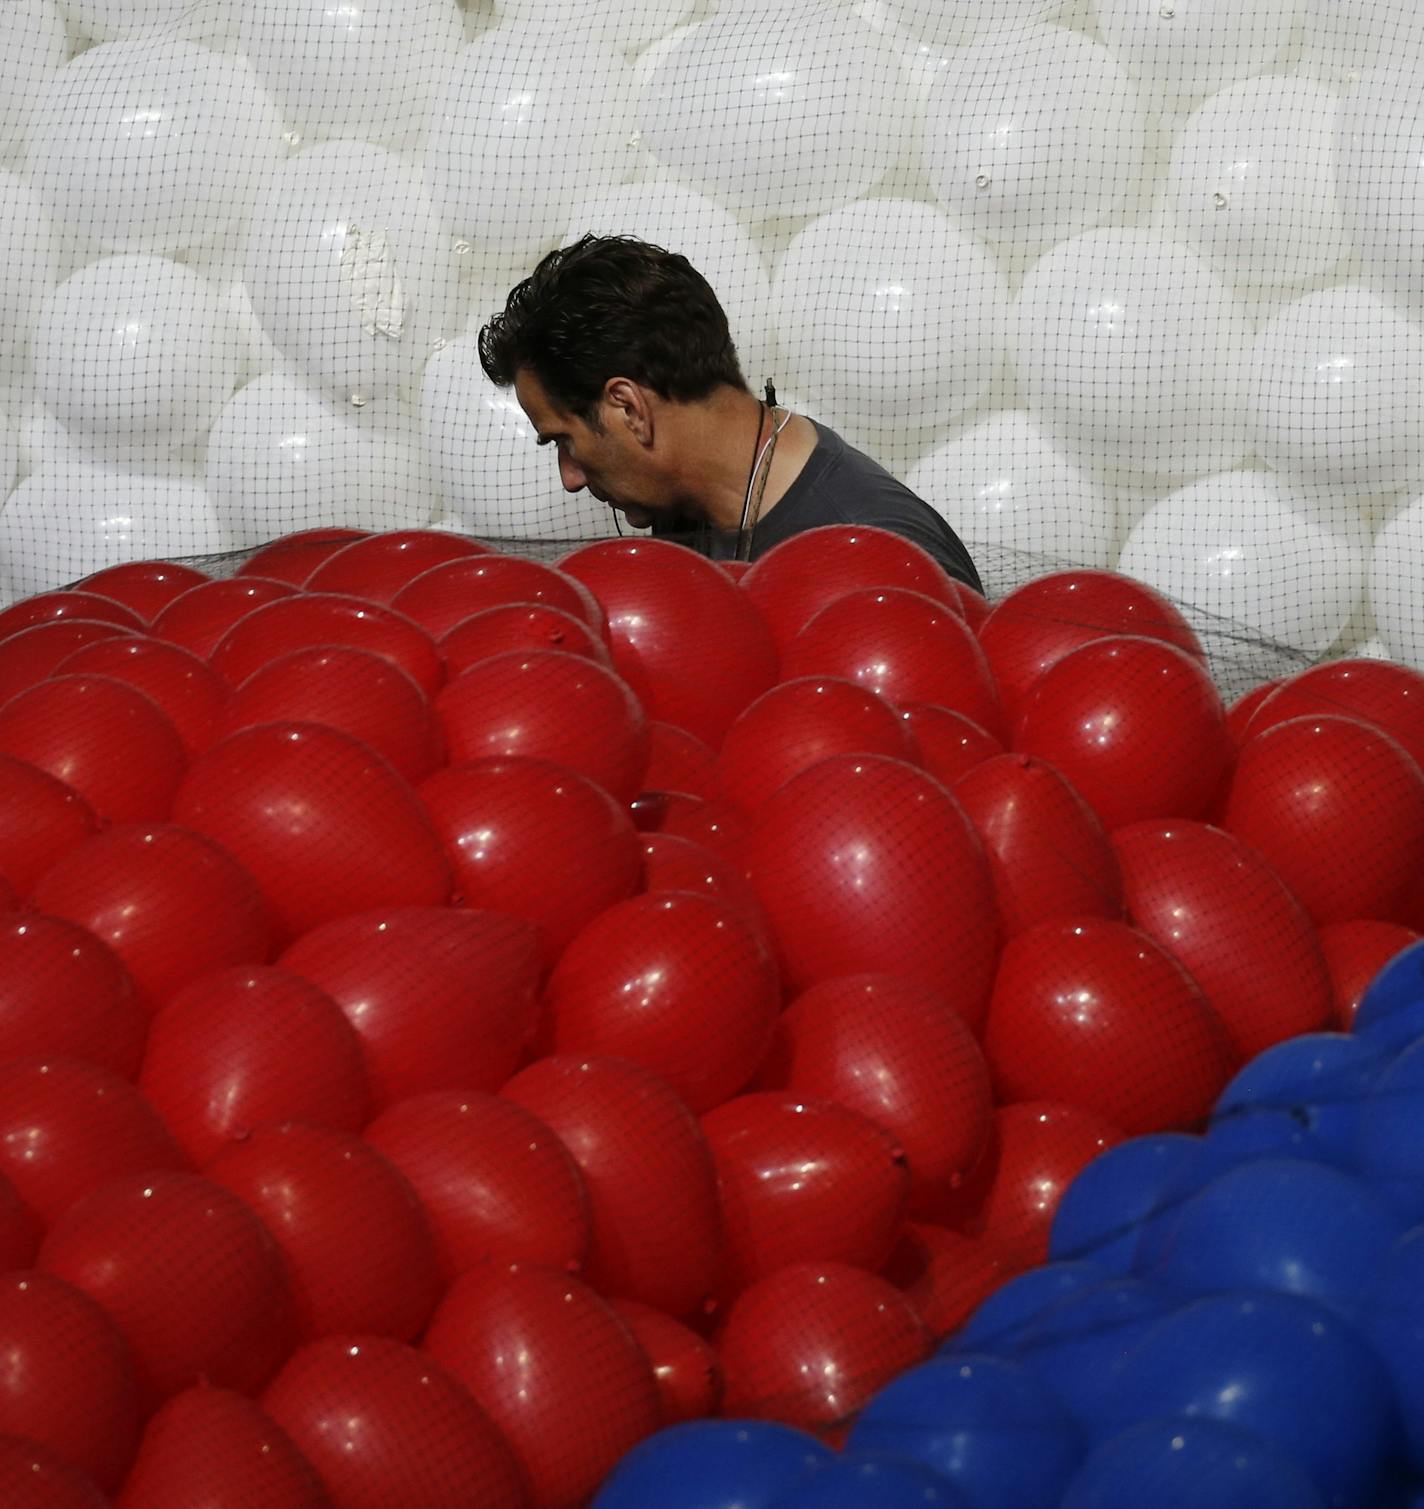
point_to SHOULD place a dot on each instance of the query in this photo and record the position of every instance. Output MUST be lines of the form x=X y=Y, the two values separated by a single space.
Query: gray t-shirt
x=838 y=485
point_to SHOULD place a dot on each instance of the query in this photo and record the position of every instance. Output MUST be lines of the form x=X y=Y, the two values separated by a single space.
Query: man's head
x=597 y=342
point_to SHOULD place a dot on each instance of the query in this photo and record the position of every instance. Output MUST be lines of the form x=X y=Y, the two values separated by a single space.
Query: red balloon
x=20 y=1229
x=354 y=691
x=1093 y=1013
x=145 y=586
x=803 y=1180
x=867 y=864
x=679 y=761
x=385 y=1425
x=536 y=840
x=64 y=992
x=903 y=645
x=67 y=1127
x=735 y=569
x=188 y=1274
x=32 y=1478
x=1336 y=807
x=681 y=984
x=326 y=618
x=380 y=565
x=1355 y=952
x=444 y=596
x=945 y=1274
x=1382 y=693
x=47 y=607
x=185 y=687
x=321 y=822
x=799 y=722
x=1035 y=1152
x=672 y=863
x=201 y=616
x=947 y=744
x=110 y=743
x=810 y=1344
x=495 y=1182
x=651 y=1183
x=519 y=626
x=1036 y=625
x=67 y=1384
x=685 y=1367
x=313 y=1189
x=665 y=604
x=213 y=1447
x=973 y=605
x=1047 y=851
x=171 y=904
x=794 y=580
x=715 y=825
x=899 y=1054
x=1222 y=911
x=41 y=819
x=560 y=1375
x=294 y=557
x=241 y=1047
x=441 y=999
x=547 y=705
x=1240 y=714
x=30 y=656
x=1136 y=725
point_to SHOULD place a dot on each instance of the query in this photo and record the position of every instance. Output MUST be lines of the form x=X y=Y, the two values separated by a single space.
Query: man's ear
x=630 y=408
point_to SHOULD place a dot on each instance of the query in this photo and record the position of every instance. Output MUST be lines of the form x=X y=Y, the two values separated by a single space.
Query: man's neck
x=717 y=450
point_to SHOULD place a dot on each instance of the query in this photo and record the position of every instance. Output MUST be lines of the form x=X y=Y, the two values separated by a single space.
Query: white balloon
x=679 y=220
x=126 y=20
x=135 y=352
x=33 y=44
x=630 y=28
x=1379 y=170
x=884 y=307
x=1252 y=187
x=1004 y=485
x=282 y=457
x=1344 y=38
x=509 y=143
x=152 y=146
x=1337 y=392
x=64 y=521
x=1234 y=547
x=363 y=69
x=955 y=22
x=495 y=481
x=1032 y=136
x=779 y=110
x=1397 y=584
x=9 y=455
x=29 y=254
x=349 y=270
x=1131 y=355
x=1181 y=50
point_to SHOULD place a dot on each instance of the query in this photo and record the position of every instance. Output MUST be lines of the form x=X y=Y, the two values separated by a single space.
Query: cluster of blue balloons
x=1233 y=1320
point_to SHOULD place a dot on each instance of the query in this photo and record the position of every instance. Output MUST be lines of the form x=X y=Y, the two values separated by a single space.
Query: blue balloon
x=1392 y=1316
x=1101 y=1213
x=712 y=1464
x=860 y=1480
x=1279 y=1223
x=1189 y=1464
x=1389 y=1144
x=1288 y=1369
x=996 y=1323
x=990 y=1427
x=1317 y=1083
x=1391 y=1014
x=1075 y=1347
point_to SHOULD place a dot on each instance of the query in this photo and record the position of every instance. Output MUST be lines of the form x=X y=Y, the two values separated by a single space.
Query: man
x=619 y=353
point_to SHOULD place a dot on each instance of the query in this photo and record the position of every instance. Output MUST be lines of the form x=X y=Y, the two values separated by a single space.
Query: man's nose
x=571 y=475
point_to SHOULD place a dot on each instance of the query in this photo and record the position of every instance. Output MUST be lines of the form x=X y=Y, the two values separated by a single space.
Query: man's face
x=607 y=461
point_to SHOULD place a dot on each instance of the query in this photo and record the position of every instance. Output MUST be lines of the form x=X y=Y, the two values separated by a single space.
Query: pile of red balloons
x=459 y=1015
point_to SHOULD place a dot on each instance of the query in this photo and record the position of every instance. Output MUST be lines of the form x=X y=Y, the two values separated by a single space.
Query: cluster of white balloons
x=1130 y=283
